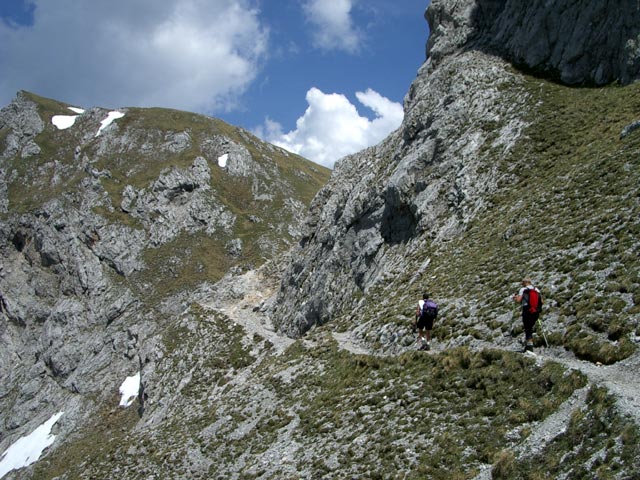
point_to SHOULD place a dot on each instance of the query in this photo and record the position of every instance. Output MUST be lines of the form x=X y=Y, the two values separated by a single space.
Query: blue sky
x=323 y=78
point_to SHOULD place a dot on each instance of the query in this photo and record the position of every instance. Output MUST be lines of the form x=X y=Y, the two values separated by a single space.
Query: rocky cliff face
x=575 y=42
x=103 y=217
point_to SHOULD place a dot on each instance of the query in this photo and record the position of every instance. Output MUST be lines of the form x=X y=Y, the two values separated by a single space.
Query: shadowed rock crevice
x=398 y=220
x=443 y=205
x=578 y=42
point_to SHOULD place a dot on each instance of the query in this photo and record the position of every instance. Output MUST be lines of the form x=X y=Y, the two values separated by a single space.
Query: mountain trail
x=346 y=342
x=241 y=298
x=620 y=379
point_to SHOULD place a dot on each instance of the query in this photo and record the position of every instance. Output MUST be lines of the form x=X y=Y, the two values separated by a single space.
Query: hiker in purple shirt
x=426 y=313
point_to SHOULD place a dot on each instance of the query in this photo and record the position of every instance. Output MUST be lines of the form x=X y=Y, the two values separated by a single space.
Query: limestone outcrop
x=433 y=176
x=268 y=341
x=577 y=42
x=104 y=218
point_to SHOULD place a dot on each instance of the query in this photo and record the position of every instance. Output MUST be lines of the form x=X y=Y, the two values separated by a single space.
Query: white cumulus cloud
x=334 y=28
x=189 y=54
x=331 y=127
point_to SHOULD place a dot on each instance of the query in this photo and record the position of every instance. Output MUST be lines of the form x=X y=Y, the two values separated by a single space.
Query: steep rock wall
x=574 y=41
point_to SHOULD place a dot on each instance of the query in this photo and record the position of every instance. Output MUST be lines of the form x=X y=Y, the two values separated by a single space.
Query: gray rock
x=427 y=183
x=222 y=392
x=4 y=201
x=21 y=119
x=30 y=149
x=579 y=42
x=629 y=129
x=178 y=201
x=177 y=142
x=234 y=247
x=78 y=309
x=239 y=162
x=120 y=247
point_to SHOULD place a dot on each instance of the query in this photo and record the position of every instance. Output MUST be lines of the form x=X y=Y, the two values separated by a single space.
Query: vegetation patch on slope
x=566 y=213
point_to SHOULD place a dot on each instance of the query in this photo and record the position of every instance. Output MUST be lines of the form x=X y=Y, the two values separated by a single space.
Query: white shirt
x=528 y=287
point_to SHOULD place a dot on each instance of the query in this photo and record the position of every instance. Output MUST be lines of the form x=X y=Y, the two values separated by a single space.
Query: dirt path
x=241 y=298
x=621 y=378
x=246 y=292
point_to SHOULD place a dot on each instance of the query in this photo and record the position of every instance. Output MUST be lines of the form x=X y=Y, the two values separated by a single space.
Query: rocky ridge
x=577 y=43
x=107 y=223
x=501 y=169
x=466 y=112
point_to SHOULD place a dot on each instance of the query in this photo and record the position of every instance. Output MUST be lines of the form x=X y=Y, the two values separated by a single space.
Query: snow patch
x=129 y=390
x=62 y=122
x=111 y=116
x=27 y=450
x=222 y=160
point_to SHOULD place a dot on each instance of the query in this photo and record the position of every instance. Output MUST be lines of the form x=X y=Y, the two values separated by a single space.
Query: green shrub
x=590 y=347
x=505 y=466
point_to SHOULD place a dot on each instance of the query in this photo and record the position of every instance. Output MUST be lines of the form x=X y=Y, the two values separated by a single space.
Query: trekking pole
x=543 y=332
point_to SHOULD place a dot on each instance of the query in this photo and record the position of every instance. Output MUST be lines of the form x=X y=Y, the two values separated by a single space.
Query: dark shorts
x=425 y=323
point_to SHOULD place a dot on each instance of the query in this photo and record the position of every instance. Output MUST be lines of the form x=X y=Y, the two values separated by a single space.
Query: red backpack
x=532 y=301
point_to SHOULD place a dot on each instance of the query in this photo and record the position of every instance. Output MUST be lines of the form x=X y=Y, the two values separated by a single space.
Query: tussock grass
x=423 y=416
x=597 y=444
x=566 y=213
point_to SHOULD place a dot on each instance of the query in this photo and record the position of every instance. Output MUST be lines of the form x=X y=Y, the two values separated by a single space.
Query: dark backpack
x=531 y=301
x=429 y=310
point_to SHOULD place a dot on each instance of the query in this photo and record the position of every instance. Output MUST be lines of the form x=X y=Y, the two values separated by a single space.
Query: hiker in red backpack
x=531 y=300
x=426 y=313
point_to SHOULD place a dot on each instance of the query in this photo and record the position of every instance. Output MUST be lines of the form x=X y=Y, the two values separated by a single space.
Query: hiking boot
x=528 y=347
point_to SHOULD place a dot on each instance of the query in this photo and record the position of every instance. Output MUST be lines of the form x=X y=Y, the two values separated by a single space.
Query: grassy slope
x=326 y=413
x=567 y=214
x=571 y=220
